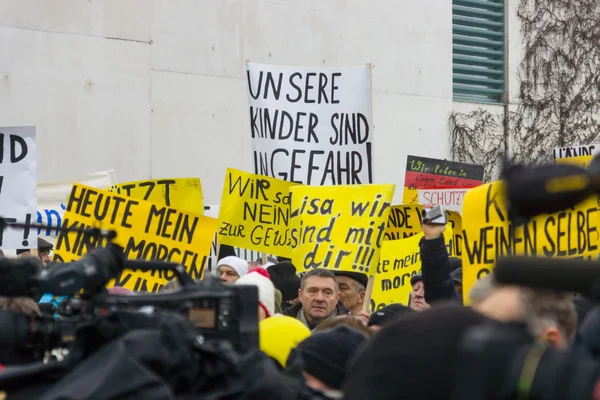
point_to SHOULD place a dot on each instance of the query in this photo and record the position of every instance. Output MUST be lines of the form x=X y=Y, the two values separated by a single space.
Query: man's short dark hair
x=321 y=273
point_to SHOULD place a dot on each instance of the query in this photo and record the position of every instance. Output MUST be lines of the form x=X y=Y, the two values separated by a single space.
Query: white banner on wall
x=576 y=151
x=449 y=199
x=311 y=125
x=52 y=198
x=17 y=186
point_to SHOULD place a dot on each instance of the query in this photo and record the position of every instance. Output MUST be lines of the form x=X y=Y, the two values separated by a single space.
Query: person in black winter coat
x=437 y=266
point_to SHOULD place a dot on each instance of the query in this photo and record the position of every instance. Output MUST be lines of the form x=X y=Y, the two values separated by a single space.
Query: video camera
x=219 y=312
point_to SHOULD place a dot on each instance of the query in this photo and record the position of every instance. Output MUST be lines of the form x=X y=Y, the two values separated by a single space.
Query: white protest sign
x=576 y=151
x=17 y=186
x=52 y=198
x=311 y=125
x=449 y=199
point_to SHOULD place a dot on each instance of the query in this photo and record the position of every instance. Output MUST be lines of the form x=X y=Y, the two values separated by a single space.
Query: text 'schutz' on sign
x=339 y=227
x=424 y=173
x=18 y=184
x=311 y=125
x=254 y=213
x=488 y=234
x=145 y=230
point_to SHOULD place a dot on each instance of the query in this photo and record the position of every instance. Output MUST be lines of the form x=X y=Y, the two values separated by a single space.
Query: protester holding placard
x=438 y=283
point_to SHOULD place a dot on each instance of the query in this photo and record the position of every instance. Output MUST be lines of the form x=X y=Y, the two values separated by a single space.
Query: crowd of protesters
x=319 y=321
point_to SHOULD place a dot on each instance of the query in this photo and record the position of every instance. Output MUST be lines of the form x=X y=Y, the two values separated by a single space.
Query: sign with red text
x=449 y=199
x=311 y=125
x=431 y=173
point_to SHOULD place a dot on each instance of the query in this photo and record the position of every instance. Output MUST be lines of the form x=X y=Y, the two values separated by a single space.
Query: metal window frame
x=478 y=50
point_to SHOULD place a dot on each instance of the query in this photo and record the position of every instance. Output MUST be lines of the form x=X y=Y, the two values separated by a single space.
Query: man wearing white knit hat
x=230 y=269
x=260 y=278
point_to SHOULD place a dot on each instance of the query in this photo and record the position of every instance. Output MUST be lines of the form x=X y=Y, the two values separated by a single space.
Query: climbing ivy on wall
x=558 y=93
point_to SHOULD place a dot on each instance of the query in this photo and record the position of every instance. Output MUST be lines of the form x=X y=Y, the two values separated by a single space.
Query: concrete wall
x=155 y=88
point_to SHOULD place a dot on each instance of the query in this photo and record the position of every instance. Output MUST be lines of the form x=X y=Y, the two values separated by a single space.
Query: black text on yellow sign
x=488 y=234
x=146 y=231
x=254 y=213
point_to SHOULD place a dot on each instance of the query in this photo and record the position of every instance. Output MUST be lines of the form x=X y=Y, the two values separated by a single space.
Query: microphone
x=26 y=277
x=546 y=189
x=563 y=275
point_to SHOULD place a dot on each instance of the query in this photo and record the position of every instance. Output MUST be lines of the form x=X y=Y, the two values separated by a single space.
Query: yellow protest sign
x=184 y=194
x=399 y=261
x=488 y=234
x=455 y=222
x=582 y=161
x=410 y=195
x=405 y=221
x=145 y=230
x=339 y=227
x=254 y=213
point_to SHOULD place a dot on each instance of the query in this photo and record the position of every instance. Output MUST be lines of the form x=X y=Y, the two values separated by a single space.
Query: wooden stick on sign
x=367 y=301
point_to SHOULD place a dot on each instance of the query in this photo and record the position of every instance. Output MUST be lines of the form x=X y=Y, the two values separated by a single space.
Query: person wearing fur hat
x=230 y=269
x=259 y=277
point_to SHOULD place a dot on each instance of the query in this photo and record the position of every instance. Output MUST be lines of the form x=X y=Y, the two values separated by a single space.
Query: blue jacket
x=55 y=300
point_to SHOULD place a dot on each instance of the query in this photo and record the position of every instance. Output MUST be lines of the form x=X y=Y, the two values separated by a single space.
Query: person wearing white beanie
x=230 y=269
x=260 y=278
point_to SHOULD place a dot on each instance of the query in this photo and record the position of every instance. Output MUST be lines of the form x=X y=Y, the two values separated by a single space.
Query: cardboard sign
x=339 y=227
x=52 y=198
x=311 y=125
x=582 y=161
x=254 y=213
x=488 y=234
x=184 y=194
x=145 y=230
x=18 y=186
x=431 y=173
x=575 y=151
x=245 y=254
x=399 y=261
x=449 y=199
x=405 y=222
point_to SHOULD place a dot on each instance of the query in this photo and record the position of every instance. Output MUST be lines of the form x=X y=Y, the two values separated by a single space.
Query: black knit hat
x=357 y=276
x=283 y=276
x=389 y=314
x=427 y=341
x=415 y=278
x=325 y=355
